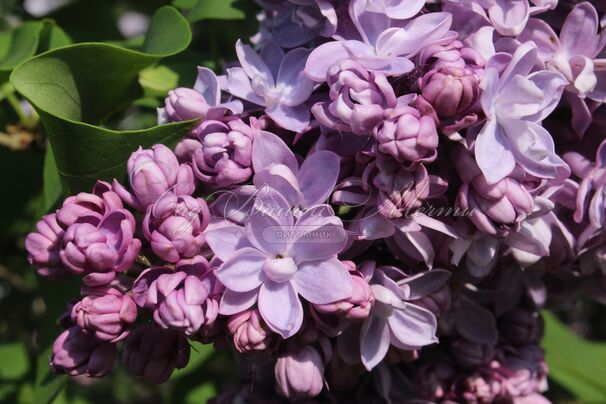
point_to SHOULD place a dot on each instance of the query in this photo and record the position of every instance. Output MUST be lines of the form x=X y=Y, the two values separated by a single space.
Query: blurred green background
x=29 y=306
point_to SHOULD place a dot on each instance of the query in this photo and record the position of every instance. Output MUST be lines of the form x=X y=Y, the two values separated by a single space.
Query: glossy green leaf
x=75 y=88
x=216 y=10
x=158 y=80
x=52 y=180
x=575 y=363
x=23 y=44
x=15 y=354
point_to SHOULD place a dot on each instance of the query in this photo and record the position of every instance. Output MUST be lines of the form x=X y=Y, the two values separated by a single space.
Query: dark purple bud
x=76 y=352
x=151 y=354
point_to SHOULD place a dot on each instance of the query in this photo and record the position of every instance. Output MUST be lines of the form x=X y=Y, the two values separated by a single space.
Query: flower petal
x=412 y=327
x=269 y=149
x=323 y=282
x=281 y=308
x=236 y=302
x=243 y=272
x=374 y=341
x=318 y=176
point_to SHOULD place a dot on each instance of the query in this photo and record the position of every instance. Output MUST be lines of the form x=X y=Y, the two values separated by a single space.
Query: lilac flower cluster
x=376 y=200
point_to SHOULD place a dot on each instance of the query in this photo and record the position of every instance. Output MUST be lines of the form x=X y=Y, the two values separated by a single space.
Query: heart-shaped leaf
x=74 y=88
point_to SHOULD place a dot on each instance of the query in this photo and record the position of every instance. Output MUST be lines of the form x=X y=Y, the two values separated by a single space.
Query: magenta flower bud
x=151 y=354
x=174 y=226
x=469 y=354
x=358 y=305
x=224 y=154
x=76 y=352
x=408 y=136
x=300 y=374
x=183 y=300
x=249 y=331
x=358 y=98
x=495 y=208
x=401 y=190
x=152 y=173
x=43 y=246
x=183 y=104
x=89 y=207
x=105 y=312
x=521 y=326
x=450 y=90
x=99 y=251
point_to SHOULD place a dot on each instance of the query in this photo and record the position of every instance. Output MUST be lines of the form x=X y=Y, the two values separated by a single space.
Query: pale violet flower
x=302 y=186
x=382 y=45
x=515 y=102
x=274 y=258
x=275 y=81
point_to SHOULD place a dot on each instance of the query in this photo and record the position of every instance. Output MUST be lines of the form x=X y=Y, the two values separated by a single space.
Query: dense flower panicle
x=405 y=182
x=101 y=250
x=151 y=174
x=174 y=226
x=76 y=352
x=105 y=312
x=151 y=354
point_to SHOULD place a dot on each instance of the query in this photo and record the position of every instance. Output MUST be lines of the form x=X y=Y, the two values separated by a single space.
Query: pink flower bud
x=76 y=352
x=105 y=312
x=174 y=226
x=249 y=331
x=43 y=248
x=300 y=374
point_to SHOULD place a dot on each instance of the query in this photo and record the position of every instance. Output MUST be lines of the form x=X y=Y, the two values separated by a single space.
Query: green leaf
x=184 y=4
x=15 y=354
x=201 y=394
x=23 y=44
x=75 y=88
x=52 y=180
x=216 y=10
x=577 y=364
x=158 y=80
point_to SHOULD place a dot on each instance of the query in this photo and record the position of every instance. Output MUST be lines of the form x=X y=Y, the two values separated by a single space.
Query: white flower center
x=280 y=269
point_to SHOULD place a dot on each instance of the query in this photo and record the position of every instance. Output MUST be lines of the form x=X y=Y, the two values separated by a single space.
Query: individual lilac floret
x=152 y=173
x=408 y=134
x=300 y=374
x=105 y=312
x=303 y=186
x=273 y=260
x=576 y=55
x=174 y=226
x=381 y=44
x=396 y=9
x=183 y=300
x=220 y=153
x=201 y=102
x=508 y=17
x=43 y=247
x=89 y=206
x=76 y=352
x=249 y=331
x=393 y=320
x=273 y=80
x=100 y=250
x=151 y=354
x=591 y=196
x=515 y=102
x=358 y=98
x=496 y=208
